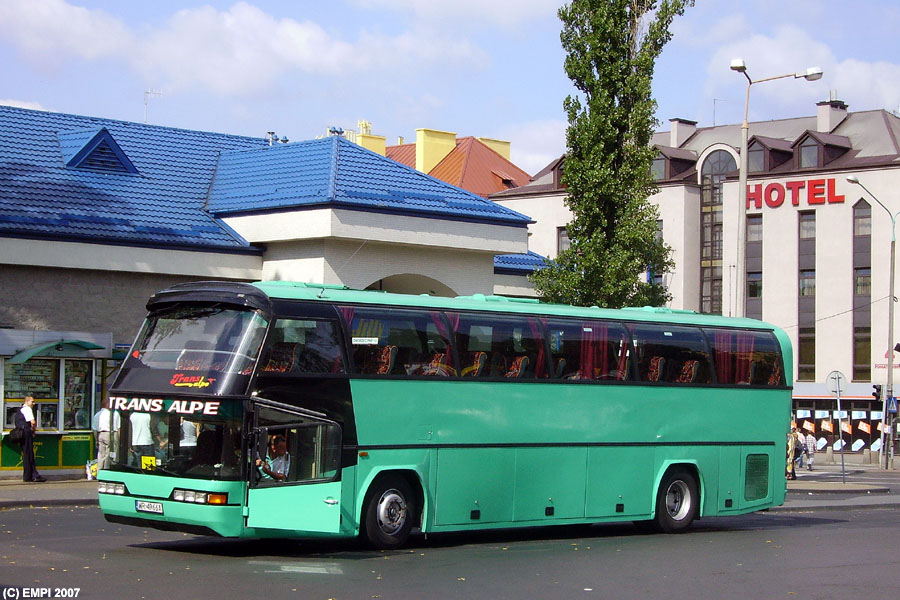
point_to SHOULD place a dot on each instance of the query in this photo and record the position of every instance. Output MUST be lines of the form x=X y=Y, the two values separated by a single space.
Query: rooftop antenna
x=147 y=95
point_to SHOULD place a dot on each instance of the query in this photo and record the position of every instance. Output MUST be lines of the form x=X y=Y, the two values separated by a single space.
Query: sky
x=488 y=68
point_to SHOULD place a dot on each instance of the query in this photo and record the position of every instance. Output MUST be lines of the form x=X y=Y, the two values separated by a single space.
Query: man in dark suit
x=26 y=420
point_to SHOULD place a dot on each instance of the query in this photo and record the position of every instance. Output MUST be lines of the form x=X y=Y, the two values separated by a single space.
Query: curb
x=831 y=507
x=837 y=491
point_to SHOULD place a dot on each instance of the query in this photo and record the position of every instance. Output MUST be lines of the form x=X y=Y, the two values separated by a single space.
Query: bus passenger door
x=308 y=498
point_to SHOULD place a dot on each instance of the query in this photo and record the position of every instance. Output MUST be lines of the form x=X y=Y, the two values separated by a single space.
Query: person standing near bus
x=25 y=419
x=104 y=422
x=792 y=447
x=141 y=437
x=810 y=450
x=801 y=442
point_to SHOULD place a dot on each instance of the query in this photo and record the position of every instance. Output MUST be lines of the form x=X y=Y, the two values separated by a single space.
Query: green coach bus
x=395 y=412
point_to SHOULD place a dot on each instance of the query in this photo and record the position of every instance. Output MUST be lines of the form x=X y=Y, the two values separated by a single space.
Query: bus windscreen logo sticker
x=191 y=381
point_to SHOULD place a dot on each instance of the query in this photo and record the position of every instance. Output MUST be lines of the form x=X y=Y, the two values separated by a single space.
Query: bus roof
x=334 y=293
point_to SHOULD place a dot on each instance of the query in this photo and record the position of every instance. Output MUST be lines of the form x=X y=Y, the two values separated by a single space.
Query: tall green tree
x=612 y=47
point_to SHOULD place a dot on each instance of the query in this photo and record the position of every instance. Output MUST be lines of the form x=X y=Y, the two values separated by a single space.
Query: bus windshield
x=168 y=444
x=194 y=348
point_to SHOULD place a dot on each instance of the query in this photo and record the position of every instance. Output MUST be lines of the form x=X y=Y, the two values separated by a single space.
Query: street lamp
x=811 y=74
x=889 y=392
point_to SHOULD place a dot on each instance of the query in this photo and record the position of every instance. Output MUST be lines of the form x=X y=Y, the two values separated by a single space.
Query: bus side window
x=745 y=357
x=399 y=342
x=589 y=350
x=303 y=346
x=671 y=353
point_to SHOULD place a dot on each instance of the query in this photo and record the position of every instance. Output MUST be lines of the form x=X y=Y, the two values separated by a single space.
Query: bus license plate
x=148 y=507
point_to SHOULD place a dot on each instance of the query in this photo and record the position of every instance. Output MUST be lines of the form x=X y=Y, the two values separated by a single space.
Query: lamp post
x=889 y=392
x=811 y=74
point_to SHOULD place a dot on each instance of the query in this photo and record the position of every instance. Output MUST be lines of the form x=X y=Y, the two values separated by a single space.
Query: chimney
x=829 y=115
x=375 y=143
x=681 y=130
x=501 y=147
x=431 y=147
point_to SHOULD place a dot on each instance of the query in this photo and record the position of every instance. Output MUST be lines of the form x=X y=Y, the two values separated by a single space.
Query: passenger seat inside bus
x=656 y=369
x=689 y=370
x=475 y=364
x=517 y=368
x=375 y=360
x=281 y=357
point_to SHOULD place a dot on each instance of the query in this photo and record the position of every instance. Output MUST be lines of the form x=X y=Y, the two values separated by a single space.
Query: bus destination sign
x=156 y=405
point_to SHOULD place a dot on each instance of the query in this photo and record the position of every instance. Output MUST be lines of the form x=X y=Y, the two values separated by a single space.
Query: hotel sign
x=806 y=192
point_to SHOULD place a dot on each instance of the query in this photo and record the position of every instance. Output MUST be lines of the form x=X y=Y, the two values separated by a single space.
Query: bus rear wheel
x=390 y=512
x=677 y=501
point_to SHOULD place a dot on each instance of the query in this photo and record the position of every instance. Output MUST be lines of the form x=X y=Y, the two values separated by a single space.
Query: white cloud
x=235 y=51
x=535 y=144
x=866 y=85
x=21 y=104
x=506 y=14
x=238 y=51
x=863 y=85
x=697 y=33
x=789 y=49
x=48 y=32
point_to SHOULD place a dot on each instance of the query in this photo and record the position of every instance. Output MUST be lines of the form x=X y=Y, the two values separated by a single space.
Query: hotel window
x=754 y=228
x=562 y=240
x=806 y=354
x=808 y=282
x=807 y=226
x=754 y=285
x=756 y=159
x=862 y=281
x=658 y=167
x=711 y=301
x=862 y=353
x=716 y=166
x=809 y=153
x=712 y=235
x=862 y=218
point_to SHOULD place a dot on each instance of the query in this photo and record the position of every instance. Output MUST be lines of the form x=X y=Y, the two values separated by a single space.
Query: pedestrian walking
x=789 y=471
x=801 y=441
x=25 y=419
x=810 y=450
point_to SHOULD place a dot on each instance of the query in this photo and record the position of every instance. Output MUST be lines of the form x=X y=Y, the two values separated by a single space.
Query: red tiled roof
x=405 y=154
x=475 y=167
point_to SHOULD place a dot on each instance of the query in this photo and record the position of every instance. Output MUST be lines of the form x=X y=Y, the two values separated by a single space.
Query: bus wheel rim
x=678 y=500
x=391 y=514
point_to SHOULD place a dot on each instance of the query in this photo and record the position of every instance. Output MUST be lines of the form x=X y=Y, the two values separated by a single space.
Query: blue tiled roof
x=73 y=141
x=160 y=205
x=338 y=173
x=519 y=264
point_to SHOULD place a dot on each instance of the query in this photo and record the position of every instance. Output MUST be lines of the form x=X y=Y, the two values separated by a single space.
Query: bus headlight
x=193 y=496
x=110 y=487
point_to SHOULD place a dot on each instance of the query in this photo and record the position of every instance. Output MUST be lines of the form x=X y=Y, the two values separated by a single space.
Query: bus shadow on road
x=353 y=549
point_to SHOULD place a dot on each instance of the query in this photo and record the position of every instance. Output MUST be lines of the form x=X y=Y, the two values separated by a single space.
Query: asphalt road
x=822 y=554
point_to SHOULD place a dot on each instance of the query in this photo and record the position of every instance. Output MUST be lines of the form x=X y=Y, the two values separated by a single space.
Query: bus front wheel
x=677 y=502
x=389 y=513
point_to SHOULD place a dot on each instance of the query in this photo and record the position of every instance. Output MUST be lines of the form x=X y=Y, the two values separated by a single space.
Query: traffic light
x=876 y=392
